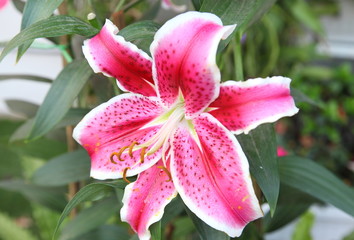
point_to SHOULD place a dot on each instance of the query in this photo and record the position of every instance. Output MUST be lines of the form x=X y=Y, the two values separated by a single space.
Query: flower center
x=169 y=121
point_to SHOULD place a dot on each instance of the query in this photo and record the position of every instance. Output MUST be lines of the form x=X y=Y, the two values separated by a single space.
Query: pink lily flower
x=176 y=128
x=3 y=3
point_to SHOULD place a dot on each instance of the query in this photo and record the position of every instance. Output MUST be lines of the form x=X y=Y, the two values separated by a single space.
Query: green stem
x=115 y=87
x=238 y=57
x=119 y=6
x=130 y=5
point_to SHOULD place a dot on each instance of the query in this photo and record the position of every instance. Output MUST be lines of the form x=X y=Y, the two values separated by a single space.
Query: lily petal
x=184 y=60
x=242 y=106
x=210 y=172
x=114 y=57
x=114 y=125
x=145 y=199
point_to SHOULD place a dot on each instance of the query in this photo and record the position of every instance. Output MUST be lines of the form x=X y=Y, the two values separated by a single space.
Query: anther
x=111 y=157
x=118 y=155
x=142 y=154
x=131 y=148
x=167 y=172
x=125 y=174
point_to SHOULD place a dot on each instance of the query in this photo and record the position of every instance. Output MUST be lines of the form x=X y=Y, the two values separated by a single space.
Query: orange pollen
x=142 y=154
x=131 y=148
x=125 y=174
x=167 y=172
x=118 y=155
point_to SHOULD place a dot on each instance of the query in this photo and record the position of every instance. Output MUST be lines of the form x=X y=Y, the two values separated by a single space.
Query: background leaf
x=260 y=148
x=35 y=10
x=205 y=231
x=60 y=97
x=49 y=197
x=105 y=232
x=88 y=193
x=242 y=12
x=11 y=231
x=25 y=77
x=303 y=227
x=291 y=204
x=155 y=230
x=90 y=218
x=51 y=27
x=313 y=179
x=66 y=168
x=26 y=109
x=140 y=33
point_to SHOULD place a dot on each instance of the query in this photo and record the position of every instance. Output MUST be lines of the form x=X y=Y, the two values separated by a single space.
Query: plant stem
x=73 y=188
x=238 y=57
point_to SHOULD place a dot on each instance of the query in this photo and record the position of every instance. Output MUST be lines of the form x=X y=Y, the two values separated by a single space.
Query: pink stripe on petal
x=145 y=199
x=116 y=124
x=183 y=53
x=112 y=55
x=242 y=106
x=210 y=172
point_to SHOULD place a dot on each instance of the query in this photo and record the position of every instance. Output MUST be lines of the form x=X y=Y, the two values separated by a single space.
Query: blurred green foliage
x=34 y=175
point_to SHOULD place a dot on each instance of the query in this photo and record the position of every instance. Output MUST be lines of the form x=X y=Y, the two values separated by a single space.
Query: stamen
x=111 y=157
x=131 y=148
x=118 y=155
x=142 y=154
x=125 y=174
x=167 y=172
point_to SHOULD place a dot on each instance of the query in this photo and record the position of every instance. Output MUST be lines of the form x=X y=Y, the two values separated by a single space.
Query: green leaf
x=139 y=30
x=25 y=77
x=90 y=218
x=73 y=117
x=310 y=177
x=251 y=232
x=24 y=108
x=183 y=226
x=141 y=33
x=304 y=13
x=53 y=198
x=242 y=12
x=12 y=231
x=172 y=210
x=88 y=193
x=197 y=4
x=60 y=97
x=41 y=148
x=105 y=232
x=34 y=11
x=260 y=148
x=291 y=204
x=155 y=230
x=303 y=227
x=51 y=27
x=301 y=97
x=66 y=168
x=350 y=236
x=10 y=163
x=205 y=231
x=19 y=5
